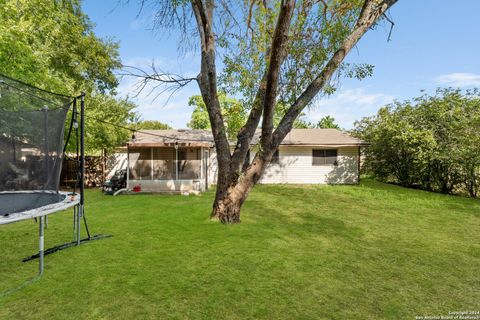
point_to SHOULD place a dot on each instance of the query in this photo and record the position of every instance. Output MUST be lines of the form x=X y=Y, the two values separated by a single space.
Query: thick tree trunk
x=227 y=209
x=229 y=201
x=230 y=197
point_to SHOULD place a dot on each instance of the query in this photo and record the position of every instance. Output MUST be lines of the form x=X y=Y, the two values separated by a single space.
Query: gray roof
x=322 y=137
x=187 y=137
x=170 y=137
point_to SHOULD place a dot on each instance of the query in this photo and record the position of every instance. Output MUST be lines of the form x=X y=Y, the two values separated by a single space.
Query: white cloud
x=459 y=79
x=348 y=105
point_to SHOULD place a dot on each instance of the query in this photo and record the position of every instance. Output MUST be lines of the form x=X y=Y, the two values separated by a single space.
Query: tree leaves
x=51 y=45
x=432 y=142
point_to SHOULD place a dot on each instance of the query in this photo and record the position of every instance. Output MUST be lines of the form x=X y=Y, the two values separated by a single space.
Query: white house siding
x=295 y=166
x=212 y=167
x=116 y=161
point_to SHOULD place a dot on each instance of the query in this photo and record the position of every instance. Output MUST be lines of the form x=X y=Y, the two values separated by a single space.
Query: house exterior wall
x=212 y=167
x=115 y=161
x=295 y=166
x=167 y=185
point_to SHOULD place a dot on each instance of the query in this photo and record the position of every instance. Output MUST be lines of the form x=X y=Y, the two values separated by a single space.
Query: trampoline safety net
x=32 y=123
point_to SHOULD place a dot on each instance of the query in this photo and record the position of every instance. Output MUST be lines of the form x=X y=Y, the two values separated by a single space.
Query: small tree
x=232 y=110
x=276 y=54
x=327 y=122
x=151 y=125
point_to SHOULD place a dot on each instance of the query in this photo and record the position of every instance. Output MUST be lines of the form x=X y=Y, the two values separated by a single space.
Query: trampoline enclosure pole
x=40 y=244
x=45 y=139
x=82 y=165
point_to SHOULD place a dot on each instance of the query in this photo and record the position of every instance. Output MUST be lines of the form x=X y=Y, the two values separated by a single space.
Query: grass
x=372 y=251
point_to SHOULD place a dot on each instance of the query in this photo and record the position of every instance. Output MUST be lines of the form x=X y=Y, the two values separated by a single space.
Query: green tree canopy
x=327 y=122
x=151 y=125
x=430 y=142
x=233 y=112
x=51 y=45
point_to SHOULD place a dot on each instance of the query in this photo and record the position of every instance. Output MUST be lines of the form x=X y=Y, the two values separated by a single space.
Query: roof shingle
x=184 y=137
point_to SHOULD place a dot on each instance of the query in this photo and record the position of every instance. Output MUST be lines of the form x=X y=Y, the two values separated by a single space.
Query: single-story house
x=184 y=160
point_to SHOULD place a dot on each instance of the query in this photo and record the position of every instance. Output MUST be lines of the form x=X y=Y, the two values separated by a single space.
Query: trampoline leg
x=79 y=216
x=40 y=244
x=75 y=208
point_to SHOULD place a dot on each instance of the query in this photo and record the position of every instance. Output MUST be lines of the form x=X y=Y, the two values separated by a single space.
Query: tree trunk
x=227 y=205
x=227 y=209
x=230 y=197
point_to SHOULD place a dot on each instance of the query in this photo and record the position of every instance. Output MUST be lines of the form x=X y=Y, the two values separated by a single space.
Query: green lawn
x=372 y=251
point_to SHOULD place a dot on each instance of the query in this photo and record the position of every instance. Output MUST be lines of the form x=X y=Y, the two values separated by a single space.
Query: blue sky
x=434 y=44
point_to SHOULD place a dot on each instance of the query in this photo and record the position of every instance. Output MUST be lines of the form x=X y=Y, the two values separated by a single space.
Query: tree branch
x=280 y=37
x=371 y=11
x=207 y=80
x=247 y=132
x=167 y=82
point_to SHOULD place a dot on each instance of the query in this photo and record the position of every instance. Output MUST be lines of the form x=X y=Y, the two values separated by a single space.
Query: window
x=275 y=157
x=324 y=157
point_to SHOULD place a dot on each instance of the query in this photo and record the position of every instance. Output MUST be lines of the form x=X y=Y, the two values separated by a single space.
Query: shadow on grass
x=299 y=221
x=28 y=282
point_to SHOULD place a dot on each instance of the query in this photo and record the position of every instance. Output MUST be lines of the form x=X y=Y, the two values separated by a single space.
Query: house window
x=275 y=157
x=321 y=157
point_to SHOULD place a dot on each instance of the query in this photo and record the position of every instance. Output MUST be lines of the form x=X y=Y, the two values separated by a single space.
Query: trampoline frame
x=71 y=200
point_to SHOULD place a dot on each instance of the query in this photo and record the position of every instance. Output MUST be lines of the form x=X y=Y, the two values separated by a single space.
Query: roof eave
x=169 y=144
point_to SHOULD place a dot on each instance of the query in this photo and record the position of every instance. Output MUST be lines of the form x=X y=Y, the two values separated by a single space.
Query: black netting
x=32 y=123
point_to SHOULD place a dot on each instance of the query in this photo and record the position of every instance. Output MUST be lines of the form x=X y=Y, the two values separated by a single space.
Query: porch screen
x=189 y=163
x=163 y=163
x=140 y=163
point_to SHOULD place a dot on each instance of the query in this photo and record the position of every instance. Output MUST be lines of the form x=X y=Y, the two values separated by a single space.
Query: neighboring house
x=185 y=160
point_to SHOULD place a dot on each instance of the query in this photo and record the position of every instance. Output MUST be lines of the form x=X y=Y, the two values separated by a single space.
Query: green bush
x=431 y=142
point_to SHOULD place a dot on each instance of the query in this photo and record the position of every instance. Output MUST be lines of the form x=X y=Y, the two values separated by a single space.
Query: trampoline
x=32 y=148
x=17 y=205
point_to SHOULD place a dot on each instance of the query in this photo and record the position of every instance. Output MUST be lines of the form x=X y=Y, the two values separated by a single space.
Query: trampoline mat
x=14 y=202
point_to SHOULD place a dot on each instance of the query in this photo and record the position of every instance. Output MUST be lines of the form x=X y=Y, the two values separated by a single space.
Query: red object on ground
x=137 y=189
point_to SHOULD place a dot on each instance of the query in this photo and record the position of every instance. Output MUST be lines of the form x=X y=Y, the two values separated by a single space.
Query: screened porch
x=171 y=169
